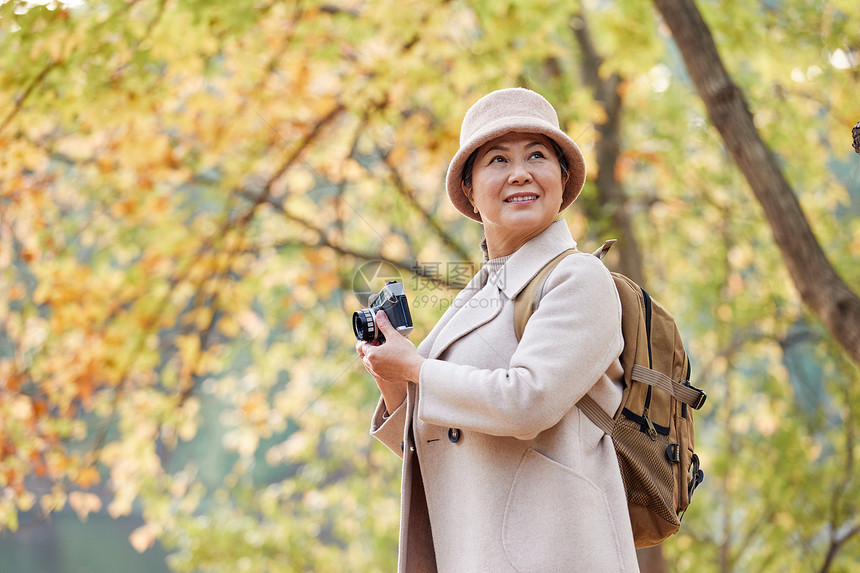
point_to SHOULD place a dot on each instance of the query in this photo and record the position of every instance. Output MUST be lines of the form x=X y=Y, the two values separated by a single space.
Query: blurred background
x=194 y=195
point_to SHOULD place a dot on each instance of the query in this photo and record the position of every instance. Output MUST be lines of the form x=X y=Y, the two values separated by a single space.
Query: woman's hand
x=392 y=364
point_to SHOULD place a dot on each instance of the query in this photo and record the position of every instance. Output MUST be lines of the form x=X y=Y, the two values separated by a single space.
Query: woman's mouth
x=521 y=199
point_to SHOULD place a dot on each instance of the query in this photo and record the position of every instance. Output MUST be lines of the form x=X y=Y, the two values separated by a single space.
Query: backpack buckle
x=700 y=401
x=673 y=453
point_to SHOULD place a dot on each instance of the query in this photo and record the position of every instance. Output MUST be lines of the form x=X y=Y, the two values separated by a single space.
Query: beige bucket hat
x=501 y=112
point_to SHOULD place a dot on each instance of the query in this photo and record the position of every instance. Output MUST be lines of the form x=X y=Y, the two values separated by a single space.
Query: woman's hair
x=466 y=176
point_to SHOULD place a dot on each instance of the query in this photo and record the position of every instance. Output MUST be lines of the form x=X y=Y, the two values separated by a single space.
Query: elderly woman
x=501 y=470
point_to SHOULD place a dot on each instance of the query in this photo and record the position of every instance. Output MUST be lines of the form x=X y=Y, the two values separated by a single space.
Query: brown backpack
x=653 y=428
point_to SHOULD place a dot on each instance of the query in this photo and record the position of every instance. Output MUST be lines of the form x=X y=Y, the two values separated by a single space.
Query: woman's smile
x=522 y=198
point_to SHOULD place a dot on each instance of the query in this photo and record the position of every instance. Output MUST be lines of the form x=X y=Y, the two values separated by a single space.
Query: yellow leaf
x=202 y=318
x=54 y=501
x=84 y=503
x=327 y=282
x=87 y=477
x=228 y=326
x=22 y=408
x=25 y=501
x=189 y=348
x=142 y=538
x=119 y=507
x=252 y=323
x=300 y=181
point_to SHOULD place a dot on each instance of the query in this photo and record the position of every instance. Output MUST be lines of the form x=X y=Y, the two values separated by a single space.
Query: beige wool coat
x=501 y=472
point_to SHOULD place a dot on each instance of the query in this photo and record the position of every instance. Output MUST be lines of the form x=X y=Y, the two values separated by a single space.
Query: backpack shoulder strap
x=528 y=298
x=525 y=306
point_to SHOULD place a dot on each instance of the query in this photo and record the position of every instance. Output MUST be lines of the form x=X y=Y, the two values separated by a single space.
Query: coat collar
x=483 y=299
x=527 y=262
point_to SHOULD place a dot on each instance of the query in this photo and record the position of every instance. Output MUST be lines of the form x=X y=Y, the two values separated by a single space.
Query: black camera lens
x=363 y=325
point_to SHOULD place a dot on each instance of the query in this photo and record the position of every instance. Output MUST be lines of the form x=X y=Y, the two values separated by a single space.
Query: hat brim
x=575 y=160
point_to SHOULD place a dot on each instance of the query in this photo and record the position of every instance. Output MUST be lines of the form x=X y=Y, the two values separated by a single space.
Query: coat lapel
x=475 y=285
x=473 y=312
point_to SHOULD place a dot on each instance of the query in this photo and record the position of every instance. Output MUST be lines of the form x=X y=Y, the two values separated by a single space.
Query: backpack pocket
x=649 y=479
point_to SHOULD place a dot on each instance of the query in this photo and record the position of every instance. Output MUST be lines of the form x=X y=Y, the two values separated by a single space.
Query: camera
x=391 y=299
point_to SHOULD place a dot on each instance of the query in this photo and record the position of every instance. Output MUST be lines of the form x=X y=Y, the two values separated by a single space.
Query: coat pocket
x=556 y=519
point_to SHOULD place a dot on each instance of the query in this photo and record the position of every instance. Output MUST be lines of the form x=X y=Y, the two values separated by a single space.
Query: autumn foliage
x=189 y=189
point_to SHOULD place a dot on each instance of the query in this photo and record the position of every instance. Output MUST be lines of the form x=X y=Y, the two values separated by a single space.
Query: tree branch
x=408 y=194
x=295 y=155
x=323 y=240
x=19 y=102
x=836 y=544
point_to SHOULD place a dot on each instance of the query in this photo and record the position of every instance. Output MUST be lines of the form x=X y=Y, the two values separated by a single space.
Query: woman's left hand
x=395 y=362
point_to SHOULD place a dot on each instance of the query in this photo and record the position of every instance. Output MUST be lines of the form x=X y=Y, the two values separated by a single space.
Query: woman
x=501 y=471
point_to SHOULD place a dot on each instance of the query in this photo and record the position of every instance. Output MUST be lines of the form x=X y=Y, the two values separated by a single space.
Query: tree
x=819 y=285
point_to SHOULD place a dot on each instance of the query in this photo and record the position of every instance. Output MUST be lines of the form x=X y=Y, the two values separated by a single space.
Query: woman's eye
x=497 y=159
x=538 y=154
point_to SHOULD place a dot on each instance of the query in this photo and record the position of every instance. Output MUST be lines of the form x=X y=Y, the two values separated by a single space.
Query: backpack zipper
x=652 y=431
x=646 y=299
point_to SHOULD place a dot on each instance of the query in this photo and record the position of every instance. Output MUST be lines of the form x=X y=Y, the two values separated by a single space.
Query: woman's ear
x=467 y=191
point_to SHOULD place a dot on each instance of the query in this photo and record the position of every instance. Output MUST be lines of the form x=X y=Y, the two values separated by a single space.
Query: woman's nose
x=519 y=174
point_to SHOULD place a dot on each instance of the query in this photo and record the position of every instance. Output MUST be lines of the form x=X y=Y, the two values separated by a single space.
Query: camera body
x=391 y=299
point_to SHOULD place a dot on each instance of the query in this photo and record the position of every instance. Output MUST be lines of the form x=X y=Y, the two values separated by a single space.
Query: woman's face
x=517 y=188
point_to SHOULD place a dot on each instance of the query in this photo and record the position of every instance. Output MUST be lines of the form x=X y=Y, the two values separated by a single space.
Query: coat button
x=453 y=435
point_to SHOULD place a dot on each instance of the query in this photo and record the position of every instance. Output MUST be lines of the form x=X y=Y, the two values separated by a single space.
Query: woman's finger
x=383 y=323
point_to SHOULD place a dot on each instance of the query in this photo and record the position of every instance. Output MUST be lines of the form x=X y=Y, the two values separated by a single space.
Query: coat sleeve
x=568 y=344
x=389 y=429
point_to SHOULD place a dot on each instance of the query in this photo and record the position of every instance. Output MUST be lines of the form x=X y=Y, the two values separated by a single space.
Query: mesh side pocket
x=647 y=473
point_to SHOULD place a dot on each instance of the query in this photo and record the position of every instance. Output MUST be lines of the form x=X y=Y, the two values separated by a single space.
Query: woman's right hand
x=393 y=365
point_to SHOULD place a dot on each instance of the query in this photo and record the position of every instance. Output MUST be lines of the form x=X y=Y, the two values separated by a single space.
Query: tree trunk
x=651 y=560
x=820 y=287
x=610 y=190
